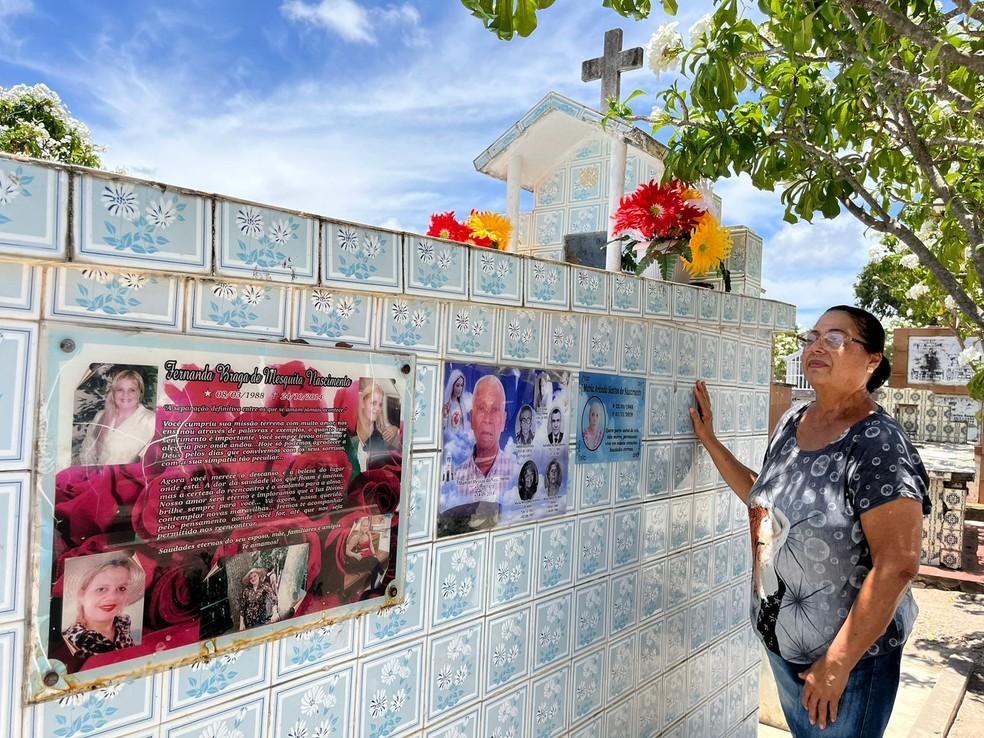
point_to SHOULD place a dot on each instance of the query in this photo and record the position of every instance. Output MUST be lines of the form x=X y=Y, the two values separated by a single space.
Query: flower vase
x=669 y=264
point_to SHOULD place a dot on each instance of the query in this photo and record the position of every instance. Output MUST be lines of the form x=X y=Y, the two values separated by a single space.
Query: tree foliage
x=508 y=17
x=783 y=345
x=34 y=122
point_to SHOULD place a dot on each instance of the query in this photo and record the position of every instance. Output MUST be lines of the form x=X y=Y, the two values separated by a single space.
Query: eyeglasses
x=832 y=340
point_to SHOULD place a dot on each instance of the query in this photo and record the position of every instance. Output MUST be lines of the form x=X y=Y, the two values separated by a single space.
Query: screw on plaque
x=393 y=591
x=67 y=345
x=405 y=368
x=50 y=678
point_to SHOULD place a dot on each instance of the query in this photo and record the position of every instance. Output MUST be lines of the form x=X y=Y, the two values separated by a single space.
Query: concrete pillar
x=513 y=178
x=616 y=189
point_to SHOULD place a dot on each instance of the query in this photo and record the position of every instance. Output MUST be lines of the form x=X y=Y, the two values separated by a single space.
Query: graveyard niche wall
x=629 y=613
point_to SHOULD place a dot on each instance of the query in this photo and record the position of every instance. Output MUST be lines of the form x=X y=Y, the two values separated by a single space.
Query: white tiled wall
x=626 y=617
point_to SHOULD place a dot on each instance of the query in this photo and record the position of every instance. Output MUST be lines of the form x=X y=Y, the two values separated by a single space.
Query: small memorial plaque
x=586 y=249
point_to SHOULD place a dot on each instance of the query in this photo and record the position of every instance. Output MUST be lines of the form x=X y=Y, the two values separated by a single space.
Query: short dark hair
x=872 y=336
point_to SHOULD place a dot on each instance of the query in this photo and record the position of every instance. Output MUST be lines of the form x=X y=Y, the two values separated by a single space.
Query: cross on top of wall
x=609 y=67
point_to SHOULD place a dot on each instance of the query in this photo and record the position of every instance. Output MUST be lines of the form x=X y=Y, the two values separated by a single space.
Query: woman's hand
x=825 y=683
x=701 y=416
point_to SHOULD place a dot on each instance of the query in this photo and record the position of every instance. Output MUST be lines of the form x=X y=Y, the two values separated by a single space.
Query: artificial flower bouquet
x=660 y=222
x=484 y=228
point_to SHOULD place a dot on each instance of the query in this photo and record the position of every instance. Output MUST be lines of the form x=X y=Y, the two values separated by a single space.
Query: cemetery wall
x=628 y=615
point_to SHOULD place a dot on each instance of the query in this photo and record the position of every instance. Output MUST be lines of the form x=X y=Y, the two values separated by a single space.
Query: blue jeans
x=865 y=706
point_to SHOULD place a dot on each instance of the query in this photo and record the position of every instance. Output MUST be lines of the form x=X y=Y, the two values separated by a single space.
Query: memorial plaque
x=586 y=249
x=610 y=410
x=200 y=495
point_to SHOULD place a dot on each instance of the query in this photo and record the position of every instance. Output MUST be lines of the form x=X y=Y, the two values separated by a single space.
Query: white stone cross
x=609 y=67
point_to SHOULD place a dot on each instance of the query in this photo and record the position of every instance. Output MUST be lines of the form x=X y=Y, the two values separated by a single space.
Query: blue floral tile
x=632 y=171
x=465 y=726
x=425 y=401
x=454 y=660
x=471 y=331
x=658 y=298
x=550 y=189
x=649 y=702
x=20 y=290
x=625 y=600
x=677 y=579
x=729 y=360
x=411 y=324
x=228 y=309
x=210 y=681
x=763 y=366
x=659 y=409
x=760 y=412
x=565 y=339
x=590 y=611
x=507 y=651
x=661 y=350
x=655 y=530
x=315 y=707
x=548 y=227
x=587 y=672
x=388 y=626
x=11 y=662
x=717 y=713
x=547 y=284
x=736 y=654
x=588 y=150
x=435 y=267
x=258 y=242
x=687 y=347
x=717 y=656
x=507 y=715
x=626 y=524
x=552 y=253
x=626 y=294
x=522 y=336
x=510 y=576
x=709 y=306
x=736 y=703
x=33 y=209
x=726 y=406
x=496 y=277
x=14 y=490
x=681 y=523
x=586 y=182
x=592 y=545
x=652 y=580
x=584 y=219
x=683 y=467
x=594 y=728
x=744 y=412
x=730 y=308
x=423 y=484
x=555 y=556
x=552 y=630
x=620 y=719
x=110 y=710
x=623 y=663
x=308 y=651
x=703 y=517
x=685 y=301
x=96 y=296
x=601 y=342
x=722 y=512
x=741 y=556
x=658 y=469
x=353 y=254
x=785 y=317
x=683 y=401
x=18 y=352
x=749 y=311
x=676 y=639
x=549 y=703
x=594 y=486
x=459 y=580
x=246 y=718
x=326 y=316
x=700 y=568
x=719 y=617
x=590 y=290
x=390 y=699
x=628 y=481
x=129 y=224
x=709 y=357
x=635 y=349
x=767 y=313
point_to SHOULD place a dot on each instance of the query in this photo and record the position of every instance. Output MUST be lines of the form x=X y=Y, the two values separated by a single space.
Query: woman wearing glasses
x=836 y=518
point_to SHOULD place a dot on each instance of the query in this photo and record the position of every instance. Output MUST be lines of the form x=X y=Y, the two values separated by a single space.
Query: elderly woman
x=258 y=599
x=594 y=431
x=120 y=432
x=836 y=516
x=102 y=592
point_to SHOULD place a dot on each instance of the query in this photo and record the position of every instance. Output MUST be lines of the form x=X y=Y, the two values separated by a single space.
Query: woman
x=836 y=518
x=258 y=600
x=103 y=592
x=359 y=546
x=120 y=432
x=529 y=478
x=544 y=392
x=453 y=410
x=594 y=432
x=524 y=430
x=553 y=478
x=376 y=437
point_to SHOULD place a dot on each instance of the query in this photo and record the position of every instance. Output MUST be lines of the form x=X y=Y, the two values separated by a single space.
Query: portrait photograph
x=377 y=427
x=265 y=586
x=114 y=414
x=593 y=423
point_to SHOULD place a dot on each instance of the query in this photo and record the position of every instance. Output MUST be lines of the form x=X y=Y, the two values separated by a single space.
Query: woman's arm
x=735 y=474
x=350 y=546
x=894 y=533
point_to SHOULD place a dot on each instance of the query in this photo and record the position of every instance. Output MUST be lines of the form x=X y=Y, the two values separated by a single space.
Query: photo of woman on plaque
x=377 y=438
x=453 y=411
x=524 y=426
x=593 y=422
x=265 y=585
x=543 y=392
x=112 y=421
x=554 y=478
x=103 y=603
x=529 y=480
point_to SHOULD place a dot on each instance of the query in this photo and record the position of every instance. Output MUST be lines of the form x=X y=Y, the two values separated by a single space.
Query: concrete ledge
x=938 y=713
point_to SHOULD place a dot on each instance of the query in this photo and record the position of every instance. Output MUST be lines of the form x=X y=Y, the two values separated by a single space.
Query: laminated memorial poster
x=505 y=451
x=200 y=495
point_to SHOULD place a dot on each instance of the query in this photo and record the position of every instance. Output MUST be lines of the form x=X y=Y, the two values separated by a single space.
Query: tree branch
x=971 y=10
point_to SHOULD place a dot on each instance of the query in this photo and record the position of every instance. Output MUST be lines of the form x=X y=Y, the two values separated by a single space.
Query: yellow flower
x=491 y=226
x=710 y=244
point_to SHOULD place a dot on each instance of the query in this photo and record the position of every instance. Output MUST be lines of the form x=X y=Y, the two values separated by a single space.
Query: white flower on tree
x=917 y=291
x=699 y=30
x=909 y=261
x=664 y=48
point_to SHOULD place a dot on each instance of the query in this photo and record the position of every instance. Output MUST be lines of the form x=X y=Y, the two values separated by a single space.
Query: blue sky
x=357 y=109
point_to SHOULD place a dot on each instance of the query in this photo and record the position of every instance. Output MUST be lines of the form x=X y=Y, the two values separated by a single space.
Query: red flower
x=657 y=211
x=445 y=225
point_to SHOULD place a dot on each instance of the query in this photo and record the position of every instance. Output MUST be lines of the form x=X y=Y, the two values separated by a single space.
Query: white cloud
x=10 y=8
x=744 y=204
x=353 y=22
